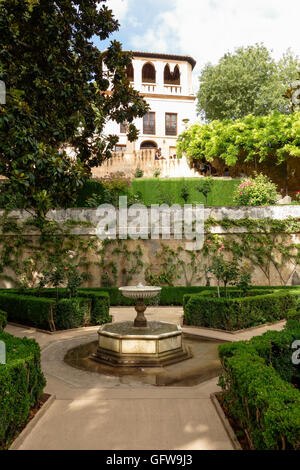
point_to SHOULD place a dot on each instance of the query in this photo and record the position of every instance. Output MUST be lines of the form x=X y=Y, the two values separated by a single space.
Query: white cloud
x=119 y=8
x=207 y=29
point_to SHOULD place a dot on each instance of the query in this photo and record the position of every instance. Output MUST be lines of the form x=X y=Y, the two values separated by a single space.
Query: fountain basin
x=157 y=344
x=140 y=291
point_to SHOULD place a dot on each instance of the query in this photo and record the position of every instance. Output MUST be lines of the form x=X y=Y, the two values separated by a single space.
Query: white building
x=165 y=81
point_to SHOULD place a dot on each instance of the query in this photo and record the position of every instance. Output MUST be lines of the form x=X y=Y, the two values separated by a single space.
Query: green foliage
x=257 y=388
x=159 y=191
x=21 y=385
x=250 y=139
x=238 y=313
x=56 y=82
x=248 y=81
x=3 y=320
x=258 y=191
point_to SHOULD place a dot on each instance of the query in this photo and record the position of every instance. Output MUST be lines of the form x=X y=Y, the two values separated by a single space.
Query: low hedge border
x=258 y=391
x=239 y=312
x=21 y=385
x=90 y=308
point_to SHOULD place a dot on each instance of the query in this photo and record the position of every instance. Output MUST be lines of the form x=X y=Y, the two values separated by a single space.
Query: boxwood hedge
x=40 y=309
x=235 y=313
x=261 y=388
x=21 y=385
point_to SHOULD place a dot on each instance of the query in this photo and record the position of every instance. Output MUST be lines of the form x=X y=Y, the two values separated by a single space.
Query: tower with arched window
x=165 y=81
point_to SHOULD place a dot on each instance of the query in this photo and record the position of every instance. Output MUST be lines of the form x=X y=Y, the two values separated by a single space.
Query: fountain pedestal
x=140 y=343
x=140 y=320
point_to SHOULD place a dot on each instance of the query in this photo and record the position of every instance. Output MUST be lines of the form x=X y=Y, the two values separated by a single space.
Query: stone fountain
x=140 y=343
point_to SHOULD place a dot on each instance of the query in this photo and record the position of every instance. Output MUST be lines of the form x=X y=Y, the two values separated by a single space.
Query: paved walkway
x=98 y=412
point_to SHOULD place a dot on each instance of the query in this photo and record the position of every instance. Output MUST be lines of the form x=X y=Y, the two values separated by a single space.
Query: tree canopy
x=248 y=81
x=276 y=135
x=61 y=90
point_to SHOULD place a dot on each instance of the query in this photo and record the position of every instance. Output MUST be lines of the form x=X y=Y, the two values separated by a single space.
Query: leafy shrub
x=257 y=391
x=21 y=385
x=3 y=320
x=237 y=313
x=258 y=191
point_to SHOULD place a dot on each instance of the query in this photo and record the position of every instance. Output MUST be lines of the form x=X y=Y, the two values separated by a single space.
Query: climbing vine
x=33 y=246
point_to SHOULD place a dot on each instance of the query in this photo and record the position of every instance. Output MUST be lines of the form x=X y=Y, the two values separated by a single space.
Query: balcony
x=173 y=89
x=148 y=87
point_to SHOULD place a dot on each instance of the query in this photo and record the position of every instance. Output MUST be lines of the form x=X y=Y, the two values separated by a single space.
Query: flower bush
x=298 y=196
x=257 y=191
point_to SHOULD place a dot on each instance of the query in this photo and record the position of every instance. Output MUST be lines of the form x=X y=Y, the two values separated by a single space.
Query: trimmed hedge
x=151 y=190
x=90 y=308
x=238 y=313
x=3 y=319
x=28 y=310
x=21 y=385
x=258 y=392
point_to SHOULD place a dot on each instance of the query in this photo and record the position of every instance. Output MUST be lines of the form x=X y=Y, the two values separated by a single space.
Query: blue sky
x=206 y=29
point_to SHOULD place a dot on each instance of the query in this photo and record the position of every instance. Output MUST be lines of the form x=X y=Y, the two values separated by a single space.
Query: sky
x=205 y=29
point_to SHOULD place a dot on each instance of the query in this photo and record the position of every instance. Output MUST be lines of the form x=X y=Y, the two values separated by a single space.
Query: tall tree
x=61 y=90
x=249 y=81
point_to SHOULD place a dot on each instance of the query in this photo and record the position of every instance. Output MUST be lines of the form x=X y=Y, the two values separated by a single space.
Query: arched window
x=149 y=73
x=148 y=144
x=130 y=73
x=171 y=78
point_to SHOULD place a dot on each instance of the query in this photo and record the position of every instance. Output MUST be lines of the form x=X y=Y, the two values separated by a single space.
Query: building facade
x=165 y=81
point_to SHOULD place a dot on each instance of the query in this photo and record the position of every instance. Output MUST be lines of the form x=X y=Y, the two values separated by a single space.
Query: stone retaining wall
x=290 y=273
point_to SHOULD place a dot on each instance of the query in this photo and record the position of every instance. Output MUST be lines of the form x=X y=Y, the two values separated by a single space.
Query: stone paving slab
x=129 y=423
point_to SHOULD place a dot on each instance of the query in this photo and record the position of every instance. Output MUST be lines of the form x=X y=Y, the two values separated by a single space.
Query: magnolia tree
x=60 y=90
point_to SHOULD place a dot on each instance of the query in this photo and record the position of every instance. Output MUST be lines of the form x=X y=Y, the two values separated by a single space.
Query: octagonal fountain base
x=123 y=344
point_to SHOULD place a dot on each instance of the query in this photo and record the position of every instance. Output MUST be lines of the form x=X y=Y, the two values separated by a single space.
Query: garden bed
x=261 y=393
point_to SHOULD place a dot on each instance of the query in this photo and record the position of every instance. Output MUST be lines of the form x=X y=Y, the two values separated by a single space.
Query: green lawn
x=152 y=189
